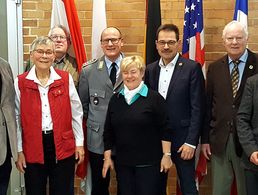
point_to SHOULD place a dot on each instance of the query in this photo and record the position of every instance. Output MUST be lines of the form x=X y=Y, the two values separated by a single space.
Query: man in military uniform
x=63 y=60
x=98 y=81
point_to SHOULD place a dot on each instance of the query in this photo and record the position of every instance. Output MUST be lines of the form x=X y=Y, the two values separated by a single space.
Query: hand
x=254 y=158
x=187 y=152
x=206 y=150
x=21 y=163
x=79 y=154
x=165 y=164
x=108 y=163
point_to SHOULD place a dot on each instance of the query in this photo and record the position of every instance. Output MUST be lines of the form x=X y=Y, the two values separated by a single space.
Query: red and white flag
x=64 y=12
x=99 y=23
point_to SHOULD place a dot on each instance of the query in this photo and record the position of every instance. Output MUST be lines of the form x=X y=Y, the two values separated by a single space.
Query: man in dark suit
x=8 y=137
x=180 y=81
x=247 y=129
x=226 y=78
x=99 y=80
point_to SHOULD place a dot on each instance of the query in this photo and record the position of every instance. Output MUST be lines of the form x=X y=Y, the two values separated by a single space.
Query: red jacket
x=31 y=118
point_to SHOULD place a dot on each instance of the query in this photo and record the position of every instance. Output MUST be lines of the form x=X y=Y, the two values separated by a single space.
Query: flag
x=152 y=22
x=193 y=48
x=193 y=38
x=99 y=23
x=64 y=13
x=241 y=11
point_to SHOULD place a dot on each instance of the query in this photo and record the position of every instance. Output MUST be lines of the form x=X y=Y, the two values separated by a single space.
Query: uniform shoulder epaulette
x=92 y=61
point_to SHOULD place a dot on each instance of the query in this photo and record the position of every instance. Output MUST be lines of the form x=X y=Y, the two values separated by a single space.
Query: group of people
x=140 y=118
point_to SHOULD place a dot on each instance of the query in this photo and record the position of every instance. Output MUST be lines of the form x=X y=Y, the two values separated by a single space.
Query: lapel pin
x=180 y=64
x=251 y=67
x=100 y=66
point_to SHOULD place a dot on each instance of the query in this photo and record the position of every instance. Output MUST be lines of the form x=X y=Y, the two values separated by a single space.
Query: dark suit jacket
x=247 y=121
x=185 y=99
x=220 y=119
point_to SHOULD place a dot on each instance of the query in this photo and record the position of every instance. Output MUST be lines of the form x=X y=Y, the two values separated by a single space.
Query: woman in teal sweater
x=136 y=126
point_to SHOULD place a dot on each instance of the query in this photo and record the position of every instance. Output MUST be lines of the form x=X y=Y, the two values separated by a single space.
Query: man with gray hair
x=226 y=78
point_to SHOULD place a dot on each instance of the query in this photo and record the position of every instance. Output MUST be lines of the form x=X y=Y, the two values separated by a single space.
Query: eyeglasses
x=169 y=43
x=114 y=41
x=41 y=52
x=61 y=38
x=231 y=39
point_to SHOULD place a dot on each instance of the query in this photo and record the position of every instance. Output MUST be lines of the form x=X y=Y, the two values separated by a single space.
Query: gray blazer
x=7 y=113
x=95 y=91
x=247 y=121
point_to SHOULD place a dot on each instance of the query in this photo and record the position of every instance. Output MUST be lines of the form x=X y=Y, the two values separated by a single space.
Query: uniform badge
x=92 y=61
x=101 y=65
x=96 y=100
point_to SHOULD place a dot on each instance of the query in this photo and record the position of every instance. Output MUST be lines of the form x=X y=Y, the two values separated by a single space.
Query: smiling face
x=235 y=41
x=132 y=69
x=43 y=56
x=111 y=43
x=167 y=45
x=132 y=77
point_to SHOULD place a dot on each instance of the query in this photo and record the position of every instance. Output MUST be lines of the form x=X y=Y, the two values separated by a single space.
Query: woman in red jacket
x=49 y=118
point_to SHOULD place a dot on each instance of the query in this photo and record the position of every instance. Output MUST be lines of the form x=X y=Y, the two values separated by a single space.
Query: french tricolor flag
x=241 y=11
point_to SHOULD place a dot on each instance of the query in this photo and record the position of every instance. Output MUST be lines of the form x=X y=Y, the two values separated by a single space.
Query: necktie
x=112 y=75
x=235 y=77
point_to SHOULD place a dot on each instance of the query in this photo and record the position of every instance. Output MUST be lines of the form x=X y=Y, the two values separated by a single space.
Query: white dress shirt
x=166 y=72
x=47 y=123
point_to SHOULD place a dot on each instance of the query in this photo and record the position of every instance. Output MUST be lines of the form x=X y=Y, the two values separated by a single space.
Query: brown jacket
x=222 y=108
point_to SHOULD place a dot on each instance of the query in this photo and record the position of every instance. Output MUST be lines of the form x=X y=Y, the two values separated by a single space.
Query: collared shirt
x=117 y=61
x=59 y=63
x=47 y=123
x=132 y=95
x=166 y=72
x=241 y=65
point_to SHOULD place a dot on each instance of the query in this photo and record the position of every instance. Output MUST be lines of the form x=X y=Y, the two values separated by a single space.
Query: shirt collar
x=60 y=60
x=52 y=77
x=243 y=58
x=142 y=90
x=117 y=61
x=170 y=64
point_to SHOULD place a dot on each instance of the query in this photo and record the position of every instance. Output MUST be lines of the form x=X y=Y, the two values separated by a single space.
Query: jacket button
x=233 y=106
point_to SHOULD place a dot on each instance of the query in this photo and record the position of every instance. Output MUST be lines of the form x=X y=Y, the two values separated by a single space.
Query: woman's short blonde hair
x=43 y=40
x=133 y=61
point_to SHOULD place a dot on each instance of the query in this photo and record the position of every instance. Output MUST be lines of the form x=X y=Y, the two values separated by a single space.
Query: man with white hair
x=226 y=78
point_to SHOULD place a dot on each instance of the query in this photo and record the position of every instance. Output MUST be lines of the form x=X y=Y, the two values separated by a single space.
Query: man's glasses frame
x=114 y=41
